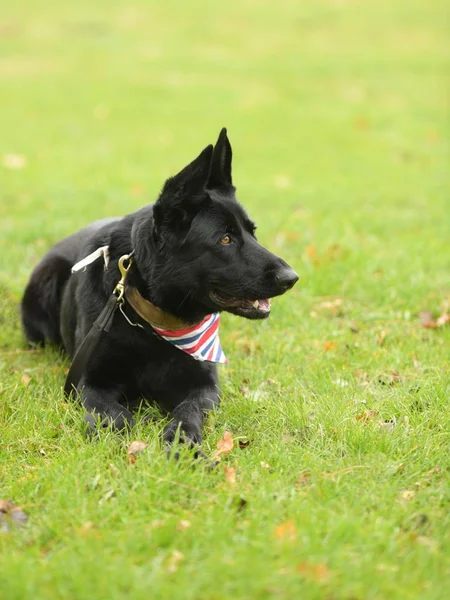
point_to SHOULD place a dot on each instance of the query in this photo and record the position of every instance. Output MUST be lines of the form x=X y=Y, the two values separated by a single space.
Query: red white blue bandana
x=199 y=341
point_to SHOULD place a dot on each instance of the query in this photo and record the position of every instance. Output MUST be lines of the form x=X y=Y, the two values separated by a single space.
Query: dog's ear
x=220 y=171
x=182 y=195
x=194 y=175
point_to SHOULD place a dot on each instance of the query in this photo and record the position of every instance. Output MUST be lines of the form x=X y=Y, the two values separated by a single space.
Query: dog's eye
x=226 y=239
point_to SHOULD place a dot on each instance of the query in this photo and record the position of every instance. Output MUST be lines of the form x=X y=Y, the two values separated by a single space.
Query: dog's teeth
x=256 y=303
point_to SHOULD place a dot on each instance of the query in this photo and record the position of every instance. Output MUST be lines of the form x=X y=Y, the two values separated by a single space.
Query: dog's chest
x=167 y=375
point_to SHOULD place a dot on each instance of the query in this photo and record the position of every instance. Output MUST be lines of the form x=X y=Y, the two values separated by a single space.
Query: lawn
x=338 y=114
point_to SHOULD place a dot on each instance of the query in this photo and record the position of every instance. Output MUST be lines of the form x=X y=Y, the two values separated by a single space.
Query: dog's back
x=41 y=303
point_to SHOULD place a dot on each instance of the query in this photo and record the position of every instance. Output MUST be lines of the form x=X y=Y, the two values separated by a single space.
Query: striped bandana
x=199 y=341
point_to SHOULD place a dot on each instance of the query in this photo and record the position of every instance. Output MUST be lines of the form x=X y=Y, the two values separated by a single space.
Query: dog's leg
x=103 y=406
x=189 y=415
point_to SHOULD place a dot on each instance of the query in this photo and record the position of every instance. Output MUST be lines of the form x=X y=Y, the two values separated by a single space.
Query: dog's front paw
x=116 y=420
x=189 y=435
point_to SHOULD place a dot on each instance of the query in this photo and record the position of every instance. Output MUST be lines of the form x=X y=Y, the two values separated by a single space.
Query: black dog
x=193 y=254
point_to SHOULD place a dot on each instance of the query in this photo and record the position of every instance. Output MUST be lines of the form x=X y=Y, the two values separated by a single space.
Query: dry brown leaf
x=304 y=479
x=230 y=475
x=87 y=526
x=361 y=122
x=327 y=346
x=156 y=524
x=15 y=162
x=367 y=415
x=114 y=470
x=109 y=494
x=331 y=304
x=429 y=542
x=135 y=448
x=286 y=530
x=183 y=525
x=25 y=379
x=248 y=346
x=381 y=337
x=443 y=320
x=311 y=251
x=429 y=322
x=315 y=572
x=427 y=319
x=225 y=445
x=173 y=563
x=11 y=514
x=406 y=495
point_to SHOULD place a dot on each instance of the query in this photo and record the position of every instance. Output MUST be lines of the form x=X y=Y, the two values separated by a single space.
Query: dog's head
x=208 y=257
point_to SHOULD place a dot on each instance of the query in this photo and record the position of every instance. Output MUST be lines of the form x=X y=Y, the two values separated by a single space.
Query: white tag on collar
x=102 y=251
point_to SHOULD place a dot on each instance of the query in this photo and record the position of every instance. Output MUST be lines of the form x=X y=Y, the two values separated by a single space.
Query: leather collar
x=151 y=314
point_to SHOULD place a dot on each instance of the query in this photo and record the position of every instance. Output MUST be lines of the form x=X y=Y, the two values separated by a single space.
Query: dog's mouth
x=251 y=309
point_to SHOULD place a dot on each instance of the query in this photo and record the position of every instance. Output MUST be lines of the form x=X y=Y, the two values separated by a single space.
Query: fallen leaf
x=135 y=448
x=429 y=322
x=381 y=337
x=173 y=563
x=443 y=319
x=86 y=526
x=366 y=416
x=230 y=475
x=390 y=378
x=109 y=494
x=315 y=572
x=361 y=122
x=304 y=479
x=14 y=162
x=25 y=379
x=10 y=513
x=406 y=495
x=225 y=445
x=286 y=530
x=156 y=524
x=331 y=304
x=389 y=568
x=137 y=190
x=327 y=346
x=311 y=251
x=249 y=347
x=430 y=543
x=114 y=470
x=427 y=319
x=183 y=525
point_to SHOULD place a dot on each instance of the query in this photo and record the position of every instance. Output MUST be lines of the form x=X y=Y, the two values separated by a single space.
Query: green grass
x=338 y=115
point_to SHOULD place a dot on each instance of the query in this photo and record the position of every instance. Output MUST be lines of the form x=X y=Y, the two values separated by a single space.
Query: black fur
x=194 y=253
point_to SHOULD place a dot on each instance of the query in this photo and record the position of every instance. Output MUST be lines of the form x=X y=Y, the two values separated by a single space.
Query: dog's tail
x=41 y=303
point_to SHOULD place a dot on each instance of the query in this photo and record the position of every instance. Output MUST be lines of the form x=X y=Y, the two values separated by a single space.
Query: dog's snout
x=286 y=278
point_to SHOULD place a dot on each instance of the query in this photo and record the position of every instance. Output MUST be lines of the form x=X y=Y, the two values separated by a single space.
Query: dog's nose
x=286 y=278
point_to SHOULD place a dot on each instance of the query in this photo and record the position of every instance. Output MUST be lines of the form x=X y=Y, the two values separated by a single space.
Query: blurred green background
x=338 y=112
